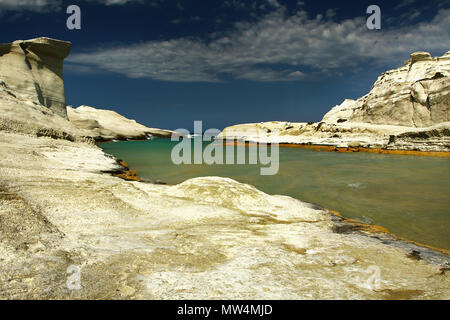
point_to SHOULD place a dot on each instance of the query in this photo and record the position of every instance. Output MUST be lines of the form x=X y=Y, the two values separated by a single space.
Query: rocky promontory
x=407 y=109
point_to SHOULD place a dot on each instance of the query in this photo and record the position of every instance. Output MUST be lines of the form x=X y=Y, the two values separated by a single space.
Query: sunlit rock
x=109 y=125
x=415 y=95
x=411 y=102
x=34 y=69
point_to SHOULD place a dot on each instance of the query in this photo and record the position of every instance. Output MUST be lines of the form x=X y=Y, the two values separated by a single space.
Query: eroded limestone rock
x=407 y=109
x=415 y=95
x=34 y=69
x=109 y=125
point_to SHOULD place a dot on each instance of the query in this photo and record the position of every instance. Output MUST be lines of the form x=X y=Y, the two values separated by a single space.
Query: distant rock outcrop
x=415 y=95
x=34 y=69
x=32 y=97
x=109 y=125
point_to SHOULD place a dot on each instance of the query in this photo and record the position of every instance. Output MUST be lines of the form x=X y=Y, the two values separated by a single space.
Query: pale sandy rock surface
x=407 y=109
x=19 y=114
x=205 y=238
x=34 y=68
x=109 y=125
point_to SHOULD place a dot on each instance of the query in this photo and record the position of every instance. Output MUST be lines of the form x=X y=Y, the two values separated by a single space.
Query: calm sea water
x=409 y=195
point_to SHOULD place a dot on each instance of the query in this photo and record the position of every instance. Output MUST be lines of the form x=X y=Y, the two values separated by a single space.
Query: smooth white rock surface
x=415 y=95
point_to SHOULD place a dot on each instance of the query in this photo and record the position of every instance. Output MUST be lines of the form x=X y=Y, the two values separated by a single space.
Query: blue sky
x=168 y=63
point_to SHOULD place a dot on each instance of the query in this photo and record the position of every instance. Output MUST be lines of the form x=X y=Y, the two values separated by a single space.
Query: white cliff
x=407 y=109
x=415 y=95
x=20 y=114
x=32 y=90
x=34 y=69
x=206 y=238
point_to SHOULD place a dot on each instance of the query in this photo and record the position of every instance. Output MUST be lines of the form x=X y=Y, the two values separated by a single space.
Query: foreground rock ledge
x=206 y=238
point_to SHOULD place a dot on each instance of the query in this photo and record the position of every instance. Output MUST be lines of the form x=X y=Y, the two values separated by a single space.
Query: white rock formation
x=109 y=125
x=407 y=109
x=343 y=135
x=34 y=69
x=415 y=95
x=32 y=89
x=19 y=114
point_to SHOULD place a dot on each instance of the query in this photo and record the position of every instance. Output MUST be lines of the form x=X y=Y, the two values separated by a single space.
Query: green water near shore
x=409 y=195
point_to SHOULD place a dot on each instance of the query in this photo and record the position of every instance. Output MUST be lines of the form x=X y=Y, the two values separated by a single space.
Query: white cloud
x=53 y=5
x=274 y=3
x=278 y=47
x=296 y=74
x=405 y=3
x=29 y=5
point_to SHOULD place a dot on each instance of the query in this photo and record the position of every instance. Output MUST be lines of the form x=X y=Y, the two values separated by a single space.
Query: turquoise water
x=409 y=195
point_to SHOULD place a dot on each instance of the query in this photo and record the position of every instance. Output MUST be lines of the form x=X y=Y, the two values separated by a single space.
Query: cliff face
x=32 y=96
x=407 y=109
x=34 y=69
x=415 y=95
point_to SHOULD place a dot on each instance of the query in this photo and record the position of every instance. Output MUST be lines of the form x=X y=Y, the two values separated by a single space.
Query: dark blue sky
x=168 y=63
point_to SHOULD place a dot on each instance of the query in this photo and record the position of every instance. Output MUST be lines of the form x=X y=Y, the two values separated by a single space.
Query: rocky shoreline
x=66 y=206
x=331 y=148
x=443 y=154
x=363 y=136
x=418 y=250
x=142 y=240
